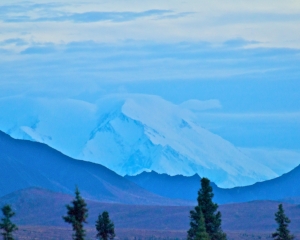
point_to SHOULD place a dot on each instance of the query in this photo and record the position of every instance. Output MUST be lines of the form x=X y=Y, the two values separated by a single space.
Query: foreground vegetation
x=205 y=221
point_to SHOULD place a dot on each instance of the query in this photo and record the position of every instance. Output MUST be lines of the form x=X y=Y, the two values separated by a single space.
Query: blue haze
x=245 y=80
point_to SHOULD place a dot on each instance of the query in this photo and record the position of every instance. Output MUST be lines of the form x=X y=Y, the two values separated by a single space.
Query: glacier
x=132 y=133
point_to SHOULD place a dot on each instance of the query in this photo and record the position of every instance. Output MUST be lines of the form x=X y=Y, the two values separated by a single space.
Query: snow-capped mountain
x=130 y=134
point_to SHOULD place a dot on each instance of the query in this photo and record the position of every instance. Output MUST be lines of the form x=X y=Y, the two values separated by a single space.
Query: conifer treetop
x=6 y=225
x=282 y=232
x=77 y=214
x=207 y=209
x=105 y=227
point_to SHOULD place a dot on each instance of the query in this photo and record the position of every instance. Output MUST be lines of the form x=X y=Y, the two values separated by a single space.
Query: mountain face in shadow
x=29 y=164
x=284 y=188
x=176 y=187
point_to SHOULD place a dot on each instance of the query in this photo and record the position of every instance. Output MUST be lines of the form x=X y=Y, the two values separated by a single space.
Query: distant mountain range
x=132 y=133
x=284 y=188
x=29 y=164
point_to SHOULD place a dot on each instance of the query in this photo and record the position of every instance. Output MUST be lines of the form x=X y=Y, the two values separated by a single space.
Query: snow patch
x=132 y=133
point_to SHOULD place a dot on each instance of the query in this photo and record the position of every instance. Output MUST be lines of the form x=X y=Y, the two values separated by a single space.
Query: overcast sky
x=243 y=54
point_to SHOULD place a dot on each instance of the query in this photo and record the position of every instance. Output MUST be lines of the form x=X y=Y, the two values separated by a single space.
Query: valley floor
x=62 y=233
x=39 y=216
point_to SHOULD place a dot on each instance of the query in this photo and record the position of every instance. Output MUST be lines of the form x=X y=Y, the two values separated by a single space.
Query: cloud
x=9 y=9
x=239 y=42
x=139 y=61
x=112 y=16
x=14 y=41
x=245 y=55
x=53 y=12
x=257 y=17
x=23 y=11
x=256 y=116
x=279 y=160
x=197 y=106
x=89 y=17
x=158 y=21
x=176 y=15
x=257 y=129
x=39 y=50
x=26 y=7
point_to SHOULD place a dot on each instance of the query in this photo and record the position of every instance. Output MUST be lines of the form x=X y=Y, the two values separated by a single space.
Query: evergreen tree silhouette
x=76 y=215
x=282 y=232
x=105 y=227
x=6 y=225
x=207 y=208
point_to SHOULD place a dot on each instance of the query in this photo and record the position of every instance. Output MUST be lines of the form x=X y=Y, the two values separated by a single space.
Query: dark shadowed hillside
x=29 y=164
x=285 y=188
x=177 y=186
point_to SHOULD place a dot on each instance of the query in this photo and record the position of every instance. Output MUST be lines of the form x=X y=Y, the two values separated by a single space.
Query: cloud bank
x=245 y=56
x=112 y=21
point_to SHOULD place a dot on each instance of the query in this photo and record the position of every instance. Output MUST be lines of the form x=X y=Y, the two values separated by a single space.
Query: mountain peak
x=132 y=133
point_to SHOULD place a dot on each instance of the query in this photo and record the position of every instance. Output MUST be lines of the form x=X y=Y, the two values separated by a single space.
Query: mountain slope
x=130 y=134
x=283 y=188
x=131 y=140
x=28 y=164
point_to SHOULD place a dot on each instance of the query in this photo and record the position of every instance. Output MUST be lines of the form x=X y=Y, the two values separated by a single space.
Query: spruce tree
x=282 y=232
x=6 y=225
x=77 y=215
x=105 y=227
x=206 y=207
x=201 y=233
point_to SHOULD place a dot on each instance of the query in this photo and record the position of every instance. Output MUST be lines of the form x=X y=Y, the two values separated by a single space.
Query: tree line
x=77 y=214
x=205 y=220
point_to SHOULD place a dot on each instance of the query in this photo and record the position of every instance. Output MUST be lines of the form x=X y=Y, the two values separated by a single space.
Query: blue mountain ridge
x=26 y=164
x=284 y=188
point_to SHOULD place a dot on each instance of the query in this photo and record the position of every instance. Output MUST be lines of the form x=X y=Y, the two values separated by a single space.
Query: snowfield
x=131 y=133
